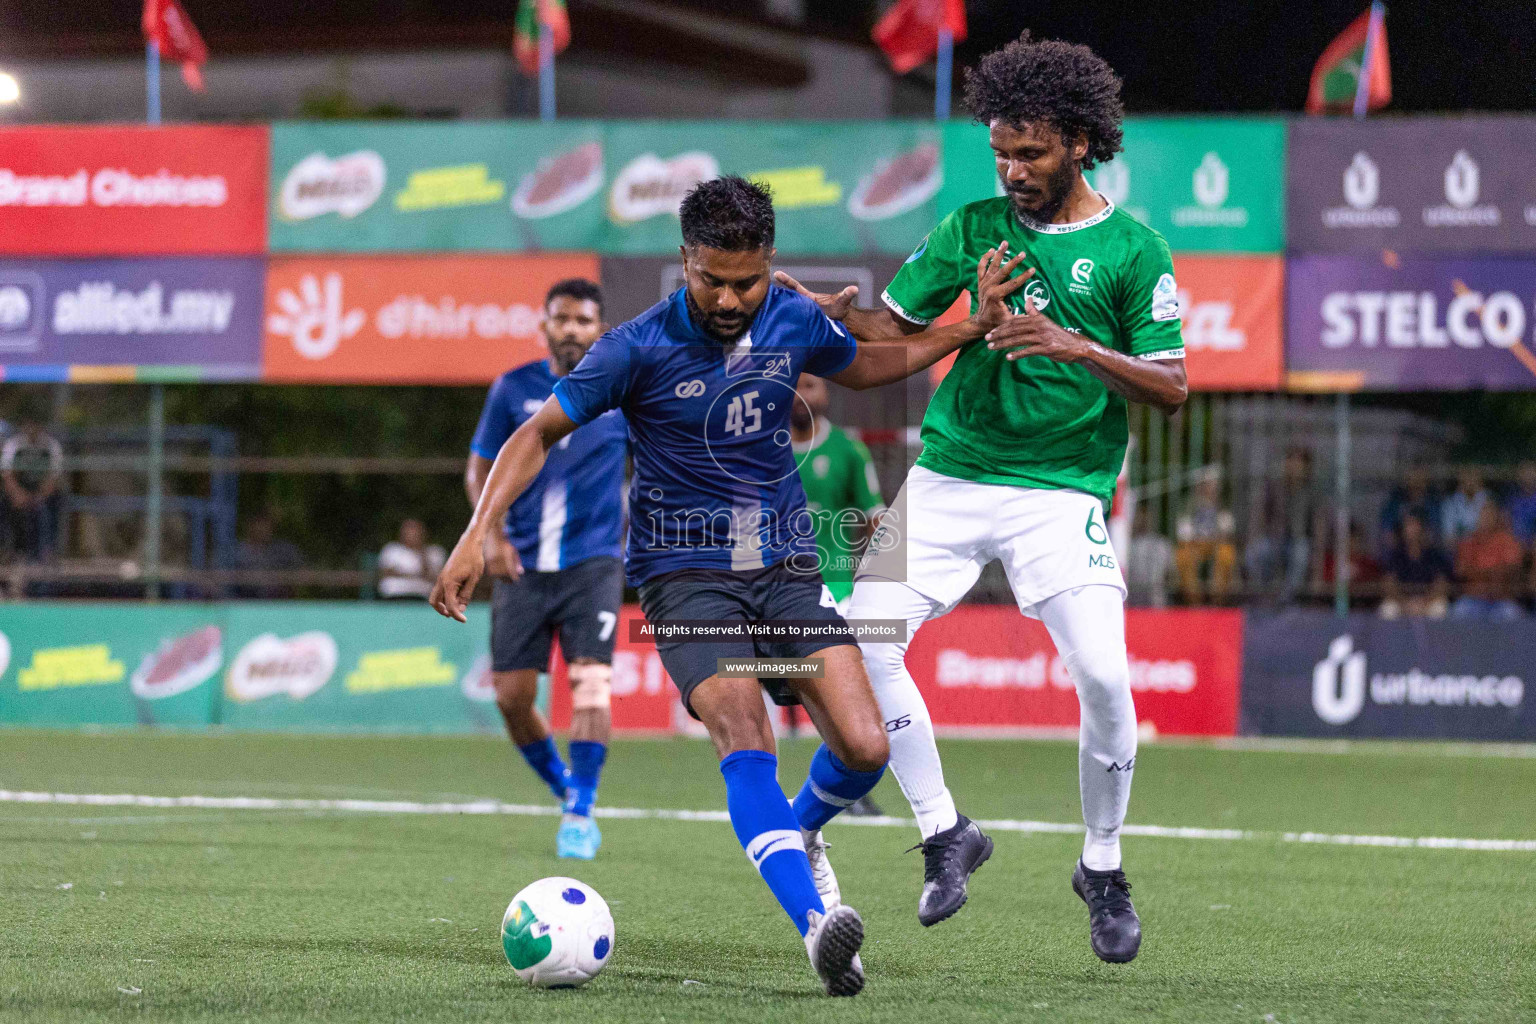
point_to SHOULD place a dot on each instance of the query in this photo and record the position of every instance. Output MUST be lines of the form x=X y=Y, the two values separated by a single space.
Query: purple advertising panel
x=1310 y=673
x=182 y=318
x=1424 y=184
x=1389 y=324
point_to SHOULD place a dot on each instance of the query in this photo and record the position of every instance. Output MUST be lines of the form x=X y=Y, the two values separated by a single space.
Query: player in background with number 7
x=556 y=565
x=719 y=530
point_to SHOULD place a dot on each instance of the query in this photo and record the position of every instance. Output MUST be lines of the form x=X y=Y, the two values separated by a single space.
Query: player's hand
x=1035 y=334
x=455 y=584
x=835 y=306
x=994 y=285
x=501 y=558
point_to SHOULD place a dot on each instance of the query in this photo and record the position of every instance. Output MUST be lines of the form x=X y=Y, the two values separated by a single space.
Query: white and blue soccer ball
x=557 y=933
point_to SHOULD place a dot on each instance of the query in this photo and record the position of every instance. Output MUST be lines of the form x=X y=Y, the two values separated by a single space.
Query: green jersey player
x=841 y=488
x=1021 y=446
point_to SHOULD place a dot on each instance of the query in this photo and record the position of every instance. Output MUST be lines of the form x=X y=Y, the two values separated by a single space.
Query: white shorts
x=941 y=531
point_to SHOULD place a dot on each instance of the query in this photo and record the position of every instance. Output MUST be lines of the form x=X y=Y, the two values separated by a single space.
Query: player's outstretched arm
x=885 y=361
x=864 y=324
x=518 y=462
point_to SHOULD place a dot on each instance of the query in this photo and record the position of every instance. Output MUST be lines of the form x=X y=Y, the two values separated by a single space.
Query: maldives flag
x=167 y=25
x=525 y=38
x=909 y=32
x=1336 y=78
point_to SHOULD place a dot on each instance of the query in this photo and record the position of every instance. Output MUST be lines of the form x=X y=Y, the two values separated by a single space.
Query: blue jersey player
x=556 y=564
x=719 y=530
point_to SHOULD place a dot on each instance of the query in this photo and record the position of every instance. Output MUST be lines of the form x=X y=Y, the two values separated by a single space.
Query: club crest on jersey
x=1037 y=292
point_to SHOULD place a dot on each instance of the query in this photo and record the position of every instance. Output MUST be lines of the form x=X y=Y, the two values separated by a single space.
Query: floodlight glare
x=10 y=89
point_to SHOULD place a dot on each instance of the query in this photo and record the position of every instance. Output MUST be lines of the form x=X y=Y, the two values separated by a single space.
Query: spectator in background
x=1415 y=497
x=262 y=552
x=1148 y=564
x=1205 y=546
x=1364 y=571
x=1417 y=574
x=1463 y=510
x=31 y=463
x=1282 y=549
x=409 y=566
x=1488 y=563
x=1522 y=509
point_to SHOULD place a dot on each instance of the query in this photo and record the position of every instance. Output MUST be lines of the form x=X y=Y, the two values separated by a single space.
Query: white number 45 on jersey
x=742 y=416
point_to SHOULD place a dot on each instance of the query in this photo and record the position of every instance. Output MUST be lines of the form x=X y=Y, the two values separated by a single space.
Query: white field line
x=495 y=807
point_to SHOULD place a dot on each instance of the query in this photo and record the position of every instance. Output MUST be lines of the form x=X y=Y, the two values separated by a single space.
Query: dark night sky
x=1197 y=55
x=1236 y=56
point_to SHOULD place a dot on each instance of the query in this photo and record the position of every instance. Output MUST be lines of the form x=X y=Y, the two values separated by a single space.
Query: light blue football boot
x=578 y=837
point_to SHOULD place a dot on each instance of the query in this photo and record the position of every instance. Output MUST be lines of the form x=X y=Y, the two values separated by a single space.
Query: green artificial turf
x=199 y=914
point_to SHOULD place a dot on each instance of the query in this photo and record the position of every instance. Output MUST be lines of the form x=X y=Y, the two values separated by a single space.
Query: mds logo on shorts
x=1098 y=535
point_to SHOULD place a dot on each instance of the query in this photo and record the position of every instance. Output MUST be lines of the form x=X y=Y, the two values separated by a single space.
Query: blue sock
x=581 y=778
x=830 y=786
x=765 y=825
x=544 y=758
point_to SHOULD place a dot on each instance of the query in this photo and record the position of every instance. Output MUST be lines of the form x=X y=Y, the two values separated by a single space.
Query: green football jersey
x=1036 y=422
x=838 y=475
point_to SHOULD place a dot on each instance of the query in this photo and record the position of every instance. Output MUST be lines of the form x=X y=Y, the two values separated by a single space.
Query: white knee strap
x=591 y=687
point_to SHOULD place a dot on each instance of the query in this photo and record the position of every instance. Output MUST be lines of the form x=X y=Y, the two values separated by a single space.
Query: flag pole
x=152 y=82
x=1341 y=566
x=546 y=69
x=1368 y=59
x=944 y=74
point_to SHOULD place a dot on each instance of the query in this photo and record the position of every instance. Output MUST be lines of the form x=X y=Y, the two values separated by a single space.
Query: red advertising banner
x=407 y=319
x=1231 y=308
x=988 y=667
x=113 y=191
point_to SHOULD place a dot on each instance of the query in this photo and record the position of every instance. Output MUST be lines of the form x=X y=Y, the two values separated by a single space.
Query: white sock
x=1088 y=626
x=914 y=755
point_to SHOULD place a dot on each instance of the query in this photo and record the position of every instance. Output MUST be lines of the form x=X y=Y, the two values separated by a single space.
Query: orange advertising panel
x=408 y=319
x=1231 y=311
x=1230 y=307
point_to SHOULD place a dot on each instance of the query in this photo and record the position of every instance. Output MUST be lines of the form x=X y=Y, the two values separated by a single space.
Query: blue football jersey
x=573 y=510
x=716 y=484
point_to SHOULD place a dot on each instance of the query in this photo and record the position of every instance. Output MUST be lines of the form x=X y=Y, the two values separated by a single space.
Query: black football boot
x=1113 y=927
x=949 y=858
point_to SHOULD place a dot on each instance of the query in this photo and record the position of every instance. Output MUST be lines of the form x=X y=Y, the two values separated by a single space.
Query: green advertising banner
x=353 y=668
x=110 y=664
x=1209 y=185
x=291 y=666
x=392 y=187
x=840 y=188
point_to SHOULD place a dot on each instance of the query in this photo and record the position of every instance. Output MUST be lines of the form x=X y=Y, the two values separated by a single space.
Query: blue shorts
x=581 y=603
x=754 y=595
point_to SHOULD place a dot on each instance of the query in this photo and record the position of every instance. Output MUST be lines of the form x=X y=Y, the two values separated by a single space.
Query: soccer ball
x=557 y=933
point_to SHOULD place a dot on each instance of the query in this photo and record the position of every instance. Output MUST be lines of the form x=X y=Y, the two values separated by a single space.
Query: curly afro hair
x=1064 y=84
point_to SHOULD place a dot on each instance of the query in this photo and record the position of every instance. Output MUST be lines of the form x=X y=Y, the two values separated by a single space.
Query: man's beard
x=728 y=331
x=567 y=354
x=800 y=415
x=1052 y=195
